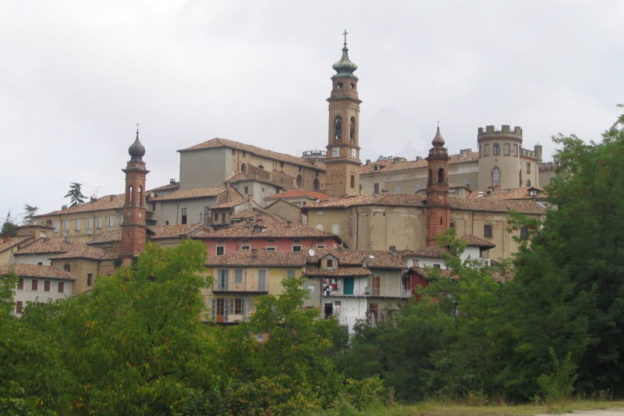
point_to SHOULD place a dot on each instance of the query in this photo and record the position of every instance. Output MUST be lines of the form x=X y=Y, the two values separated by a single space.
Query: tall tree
x=75 y=194
x=9 y=227
x=30 y=213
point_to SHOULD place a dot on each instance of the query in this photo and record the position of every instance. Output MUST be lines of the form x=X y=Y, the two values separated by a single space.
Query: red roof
x=300 y=193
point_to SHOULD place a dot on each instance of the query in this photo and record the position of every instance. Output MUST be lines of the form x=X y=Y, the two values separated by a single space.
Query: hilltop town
x=363 y=234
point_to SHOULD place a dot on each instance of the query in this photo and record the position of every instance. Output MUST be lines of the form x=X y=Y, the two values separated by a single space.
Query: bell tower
x=133 y=228
x=438 y=210
x=343 y=149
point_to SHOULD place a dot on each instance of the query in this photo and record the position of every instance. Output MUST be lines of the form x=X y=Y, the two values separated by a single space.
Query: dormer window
x=330 y=263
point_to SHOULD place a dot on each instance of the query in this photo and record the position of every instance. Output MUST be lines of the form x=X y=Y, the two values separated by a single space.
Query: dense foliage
x=557 y=327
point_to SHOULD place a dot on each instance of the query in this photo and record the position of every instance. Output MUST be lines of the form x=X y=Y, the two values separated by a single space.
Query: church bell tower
x=438 y=209
x=133 y=227
x=343 y=150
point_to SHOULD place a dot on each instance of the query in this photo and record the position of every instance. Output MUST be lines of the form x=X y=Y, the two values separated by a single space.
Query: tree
x=75 y=194
x=9 y=228
x=30 y=213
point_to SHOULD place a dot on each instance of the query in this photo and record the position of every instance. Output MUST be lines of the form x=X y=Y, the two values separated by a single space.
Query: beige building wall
x=205 y=167
x=169 y=212
x=82 y=225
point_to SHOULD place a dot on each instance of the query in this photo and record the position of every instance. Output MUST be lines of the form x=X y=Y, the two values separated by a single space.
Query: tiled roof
x=168 y=187
x=516 y=193
x=497 y=205
x=433 y=252
x=12 y=242
x=241 y=177
x=191 y=193
x=300 y=193
x=259 y=258
x=473 y=240
x=158 y=232
x=264 y=226
x=30 y=270
x=338 y=272
x=86 y=252
x=370 y=258
x=229 y=204
x=104 y=203
x=50 y=245
x=384 y=198
x=105 y=237
x=219 y=142
x=391 y=165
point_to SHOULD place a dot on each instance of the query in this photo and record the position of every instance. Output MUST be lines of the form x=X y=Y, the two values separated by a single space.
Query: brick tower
x=343 y=150
x=133 y=228
x=438 y=210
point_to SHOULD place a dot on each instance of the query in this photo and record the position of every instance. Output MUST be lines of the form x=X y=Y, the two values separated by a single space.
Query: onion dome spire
x=344 y=67
x=136 y=150
x=438 y=140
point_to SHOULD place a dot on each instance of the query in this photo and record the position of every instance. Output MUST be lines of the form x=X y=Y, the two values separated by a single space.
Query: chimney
x=172 y=181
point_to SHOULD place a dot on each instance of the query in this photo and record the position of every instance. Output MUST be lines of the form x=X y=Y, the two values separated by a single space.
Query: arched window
x=67 y=267
x=352 y=181
x=317 y=184
x=430 y=179
x=243 y=168
x=140 y=195
x=496 y=177
x=352 y=129
x=130 y=195
x=440 y=175
x=528 y=182
x=338 y=128
x=299 y=181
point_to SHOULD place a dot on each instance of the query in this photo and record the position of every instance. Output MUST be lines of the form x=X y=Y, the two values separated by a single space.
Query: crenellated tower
x=343 y=149
x=438 y=210
x=133 y=227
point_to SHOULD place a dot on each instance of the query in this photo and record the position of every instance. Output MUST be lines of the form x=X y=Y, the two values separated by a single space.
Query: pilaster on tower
x=438 y=210
x=343 y=149
x=133 y=226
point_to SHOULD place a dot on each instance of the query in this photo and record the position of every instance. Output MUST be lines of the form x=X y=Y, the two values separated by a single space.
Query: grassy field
x=456 y=409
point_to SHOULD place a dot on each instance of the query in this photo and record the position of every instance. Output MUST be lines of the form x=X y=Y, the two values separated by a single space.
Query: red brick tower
x=438 y=210
x=133 y=228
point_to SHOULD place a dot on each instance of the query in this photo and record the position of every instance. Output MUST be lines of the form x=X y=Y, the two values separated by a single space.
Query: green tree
x=75 y=194
x=30 y=213
x=9 y=228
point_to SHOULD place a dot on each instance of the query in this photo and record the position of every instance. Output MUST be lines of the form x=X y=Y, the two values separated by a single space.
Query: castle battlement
x=505 y=130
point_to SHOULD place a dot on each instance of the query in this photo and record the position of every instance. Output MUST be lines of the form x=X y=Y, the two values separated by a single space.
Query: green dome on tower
x=344 y=67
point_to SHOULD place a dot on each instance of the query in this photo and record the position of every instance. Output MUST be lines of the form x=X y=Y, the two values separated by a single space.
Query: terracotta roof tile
x=338 y=272
x=370 y=258
x=263 y=225
x=300 y=193
x=384 y=198
x=433 y=252
x=109 y=236
x=30 y=270
x=219 y=142
x=473 y=240
x=158 y=232
x=104 y=203
x=86 y=252
x=241 y=177
x=168 y=187
x=530 y=192
x=259 y=258
x=50 y=245
x=391 y=165
x=12 y=242
x=497 y=205
x=191 y=193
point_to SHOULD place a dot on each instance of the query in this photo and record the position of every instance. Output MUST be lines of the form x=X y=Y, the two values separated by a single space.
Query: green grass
x=462 y=409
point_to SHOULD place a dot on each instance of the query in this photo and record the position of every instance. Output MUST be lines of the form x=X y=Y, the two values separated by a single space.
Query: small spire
x=136 y=150
x=345 y=67
x=438 y=140
x=345 y=33
x=137 y=133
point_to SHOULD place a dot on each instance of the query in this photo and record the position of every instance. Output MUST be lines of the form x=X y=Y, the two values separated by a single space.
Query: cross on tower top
x=345 y=33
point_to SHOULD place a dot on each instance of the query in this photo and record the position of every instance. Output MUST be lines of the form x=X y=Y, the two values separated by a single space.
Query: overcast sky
x=76 y=76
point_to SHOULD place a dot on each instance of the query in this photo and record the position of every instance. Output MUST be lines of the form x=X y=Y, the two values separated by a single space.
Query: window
x=111 y=221
x=441 y=175
x=515 y=150
x=330 y=263
x=524 y=233
x=34 y=285
x=451 y=225
x=336 y=228
x=238 y=306
x=100 y=222
x=61 y=287
x=46 y=285
x=352 y=128
x=220 y=250
x=290 y=274
x=183 y=215
x=528 y=167
x=90 y=224
x=507 y=149
x=338 y=128
x=528 y=182
x=66 y=226
x=67 y=267
x=496 y=149
x=245 y=247
x=297 y=247
x=238 y=276
x=20 y=283
x=246 y=190
x=77 y=224
x=270 y=249
x=317 y=185
x=487 y=230
x=261 y=279
x=243 y=167
x=299 y=181
x=375 y=188
x=352 y=181
x=496 y=177
x=89 y=279
x=19 y=306
x=222 y=279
